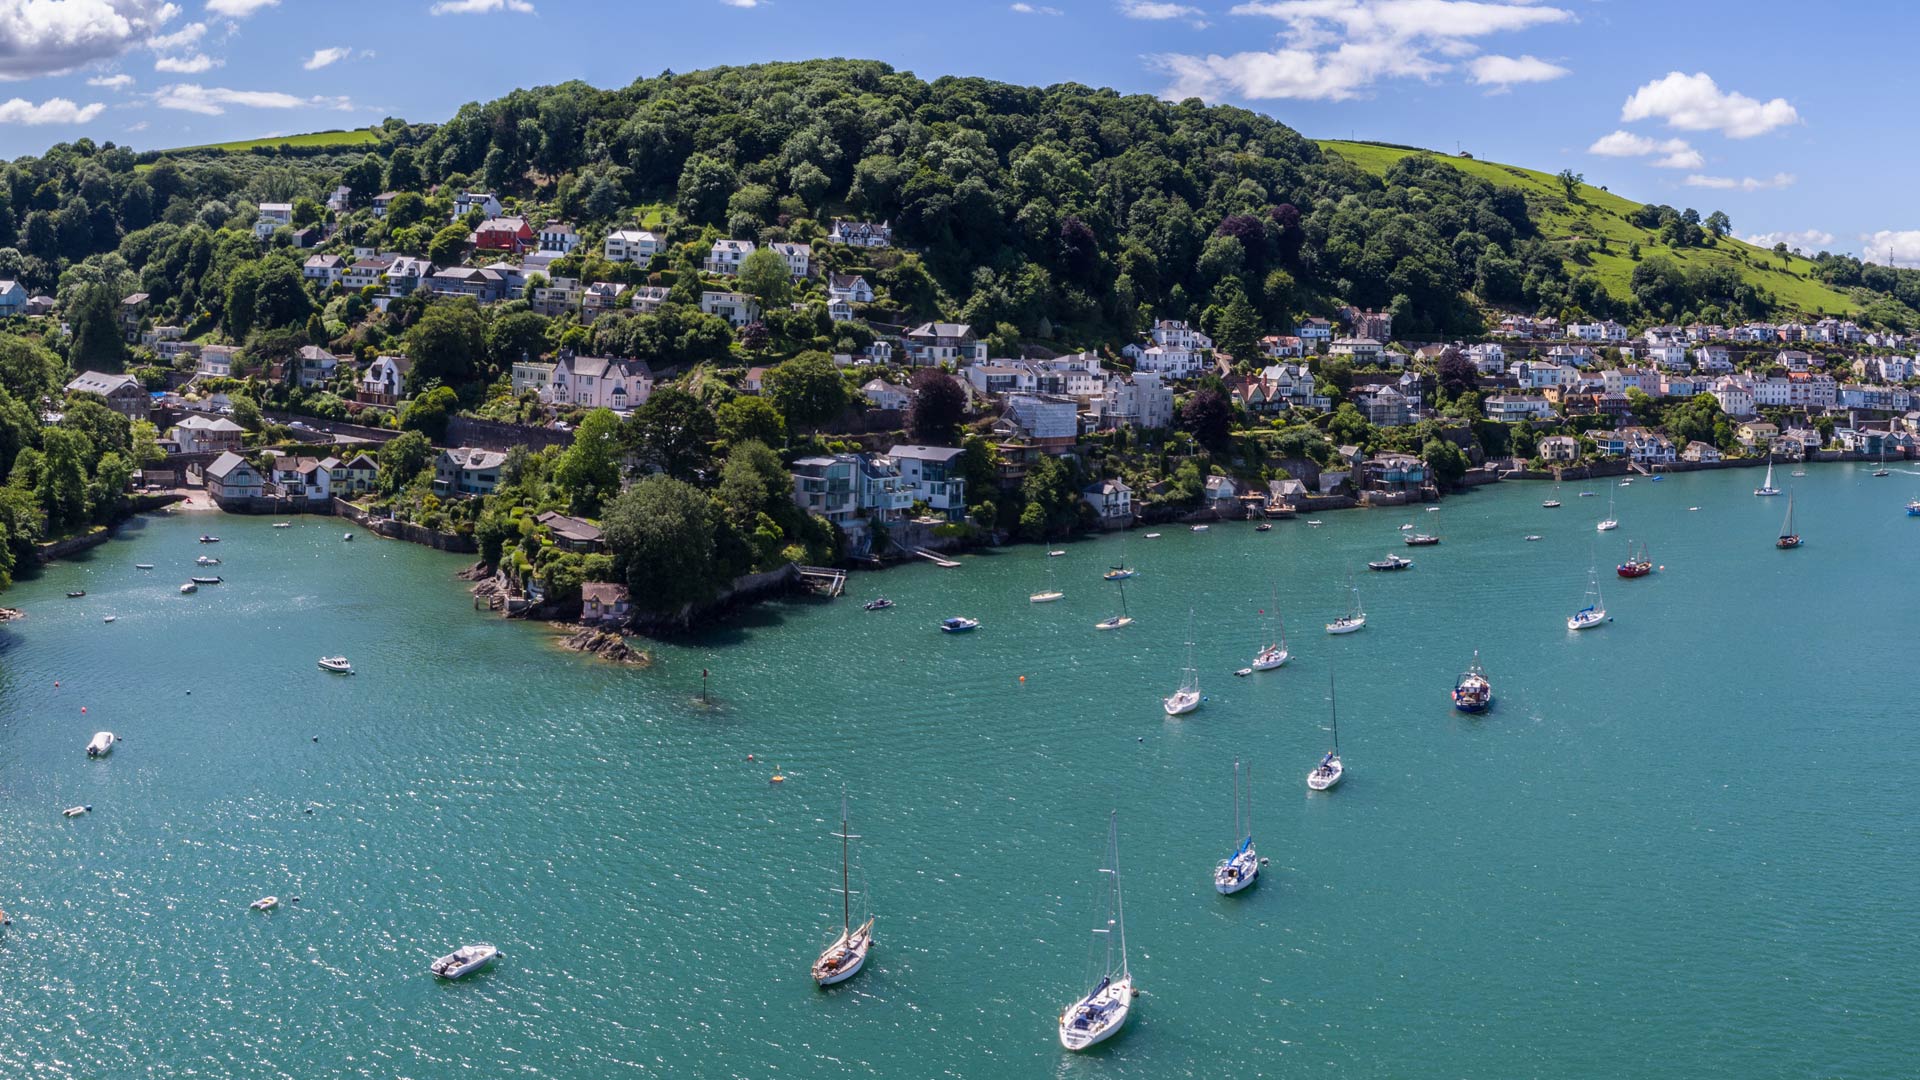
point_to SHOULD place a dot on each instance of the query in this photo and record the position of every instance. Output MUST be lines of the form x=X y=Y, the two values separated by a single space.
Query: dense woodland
x=1055 y=218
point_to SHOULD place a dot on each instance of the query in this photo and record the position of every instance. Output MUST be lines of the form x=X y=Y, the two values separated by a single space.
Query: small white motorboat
x=1046 y=597
x=1315 y=522
x=1531 y=537
x=189 y=587
x=1055 y=554
x=101 y=744
x=1693 y=509
x=209 y=539
x=464 y=960
x=109 y=618
x=143 y=566
x=336 y=664
x=76 y=811
x=958 y=624
x=1408 y=527
x=206 y=560
x=1200 y=528
x=283 y=524
x=265 y=903
x=1153 y=536
x=348 y=537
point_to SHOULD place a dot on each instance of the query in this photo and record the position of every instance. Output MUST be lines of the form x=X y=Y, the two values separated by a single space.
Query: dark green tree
x=808 y=389
x=661 y=535
x=673 y=432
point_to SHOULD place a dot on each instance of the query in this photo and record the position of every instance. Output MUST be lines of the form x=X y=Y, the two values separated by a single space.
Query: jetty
x=824 y=580
x=934 y=557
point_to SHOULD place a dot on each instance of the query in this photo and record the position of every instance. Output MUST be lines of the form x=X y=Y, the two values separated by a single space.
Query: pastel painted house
x=233 y=477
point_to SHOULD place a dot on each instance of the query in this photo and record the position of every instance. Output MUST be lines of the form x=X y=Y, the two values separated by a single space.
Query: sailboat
x=1100 y=1014
x=1242 y=868
x=843 y=959
x=1328 y=773
x=1595 y=611
x=1354 y=619
x=1120 y=571
x=1638 y=564
x=1421 y=539
x=1608 y=523
x=1788 y=538
x=1117 y=621
x=1048 y=594
x=1274 y=652
x=1472 y=691
x=1187 y=698
x=1766 y=486
x=1553 y=503
x=1883 y=470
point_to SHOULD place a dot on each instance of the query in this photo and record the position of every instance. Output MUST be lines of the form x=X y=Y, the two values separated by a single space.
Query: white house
x=484 y=201
x=852 y=288
x=465 y=470
x=932 y=474
x=1510 y=408
x=737 y=308
x=799 y=257
x=632 y=245
x=383 y=381
x=1489 y=358
x=1734 y=396
x=558 y=236
x=200 y=434
x=1112 y=501
x=272 y=216
x=1559 y=448
x=884 y=394
x=1136 y=401
x=860 y=233
x=726 y=256
x=944 y=343
x=1364 y=352
x=231 y=477
x=325 y=269
x=598 y=382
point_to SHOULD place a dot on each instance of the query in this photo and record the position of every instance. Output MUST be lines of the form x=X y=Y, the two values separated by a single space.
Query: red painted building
x=502 y=234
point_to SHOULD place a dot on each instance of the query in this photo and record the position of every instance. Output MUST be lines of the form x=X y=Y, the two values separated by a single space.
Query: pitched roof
x=95 y=382
x=604 y=593
x=224 y=465
x=569 y=528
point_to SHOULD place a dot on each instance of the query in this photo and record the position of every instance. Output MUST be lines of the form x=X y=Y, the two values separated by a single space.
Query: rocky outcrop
x=605 y=644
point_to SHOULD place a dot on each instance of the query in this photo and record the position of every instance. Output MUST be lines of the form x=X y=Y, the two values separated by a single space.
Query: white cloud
x=179 y=39
x=322 y=57
x=186 y=65
x=1159 y=11
x=47 y=37
x=111 y=82
x=1695 y=103
x=756 y=3
x=215 y=100
x=1806 y=239
x=1505 y=71
x=137 y=125
x=1748 y=183
x=1674 y=153
x=1333 y=50
x=51 y=111
x=479 y=7
x=1898 y=246
x=239 y=9
x=1022 y=9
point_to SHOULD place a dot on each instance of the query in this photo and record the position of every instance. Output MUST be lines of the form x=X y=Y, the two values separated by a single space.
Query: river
x=1683 y=843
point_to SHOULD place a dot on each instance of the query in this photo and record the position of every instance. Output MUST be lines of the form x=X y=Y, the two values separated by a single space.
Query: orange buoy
x=1023 y=678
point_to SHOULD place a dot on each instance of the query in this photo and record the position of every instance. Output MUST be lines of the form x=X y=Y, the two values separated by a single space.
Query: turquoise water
x=1684 y=843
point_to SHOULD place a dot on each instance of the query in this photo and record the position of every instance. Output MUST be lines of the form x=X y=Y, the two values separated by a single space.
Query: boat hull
x=1633 y=570
x=1117 y=1001
x=1182 y=703
x=1045 y=597
x=1113 y=624
x=1347 y=626
x=1267 y=661
x=1248 y=865
x=1318 y=781
x=1588 y=622
x=452 y=967
x=1470 y=705
x=1787 y=543
x=856 y=951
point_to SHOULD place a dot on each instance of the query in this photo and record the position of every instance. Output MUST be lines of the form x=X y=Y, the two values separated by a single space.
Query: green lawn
x=357 y=137
x=1603 y=214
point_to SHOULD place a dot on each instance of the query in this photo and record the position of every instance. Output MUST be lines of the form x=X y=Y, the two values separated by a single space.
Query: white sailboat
x=1103 y=1011
x=1608 y=523
x=1274 y=652
x=1115 y=622
x=1242 y=868
x=1187 y=698
x=1595 y=611
x=1554 y=502
x=841 y=960
x=1330 y=770
x=1354 y=619
x=1766 y=486
x=1048 y=594
x=1120 y=571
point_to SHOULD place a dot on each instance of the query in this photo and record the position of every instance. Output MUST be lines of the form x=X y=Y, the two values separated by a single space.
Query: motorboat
x=1433 y=509
x=1657 y=477
x=464 y=961
x=348 y=537
x=143 y=566
x=843 y=959
x=1588 y=494
x=109 y=618
x=1242 y=868
x=1315 y=522
x=283 y=524
x=265 y=903
x=1408 y=527
x=76 y=594
x=959 y=624
x=878 y=604
x=1551 y=504
x=1391 y=562
x=1103 y=1011
x=1531 y=537
x=1117 y=573
x=1055 y=554
x=1913 y=508
x=1473 y=692
x=215 y=580
x=1265 y=526
x=206 y=560
x=336 y=664
x=1200 y=528
x=189 y=587
x=101 y=744
x=76 y=811
x=1153 y=536
x=209 y=539
x=1420 y=540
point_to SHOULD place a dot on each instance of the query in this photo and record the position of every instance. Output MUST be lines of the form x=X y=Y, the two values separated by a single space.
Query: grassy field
x=1601 y=214
x=357 y=137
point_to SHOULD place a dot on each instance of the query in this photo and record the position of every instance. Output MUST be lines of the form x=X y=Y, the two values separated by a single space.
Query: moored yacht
x=1187 y=698
x=1472 y=692
x=1595 y=611
x=958 y=624
x=1274 y=652
x=1242 y=868
x=843 y=959
x=1331 y=769
x=1766 y=486
x=1391 y=562
x=1103 y=1011
x=1354 y=619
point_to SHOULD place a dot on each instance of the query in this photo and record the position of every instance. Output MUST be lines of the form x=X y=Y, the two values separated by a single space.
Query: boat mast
x=1119 y=908
x=1333 y=699
x=846 y=884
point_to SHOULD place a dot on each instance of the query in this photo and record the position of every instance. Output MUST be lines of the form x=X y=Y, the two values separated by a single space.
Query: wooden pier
x=824 y=580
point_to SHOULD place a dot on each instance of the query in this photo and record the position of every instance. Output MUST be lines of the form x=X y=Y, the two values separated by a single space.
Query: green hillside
x=1602 y=214
x=356 y=137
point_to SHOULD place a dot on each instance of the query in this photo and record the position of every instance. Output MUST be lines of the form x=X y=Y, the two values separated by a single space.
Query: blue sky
x=1699 y=103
